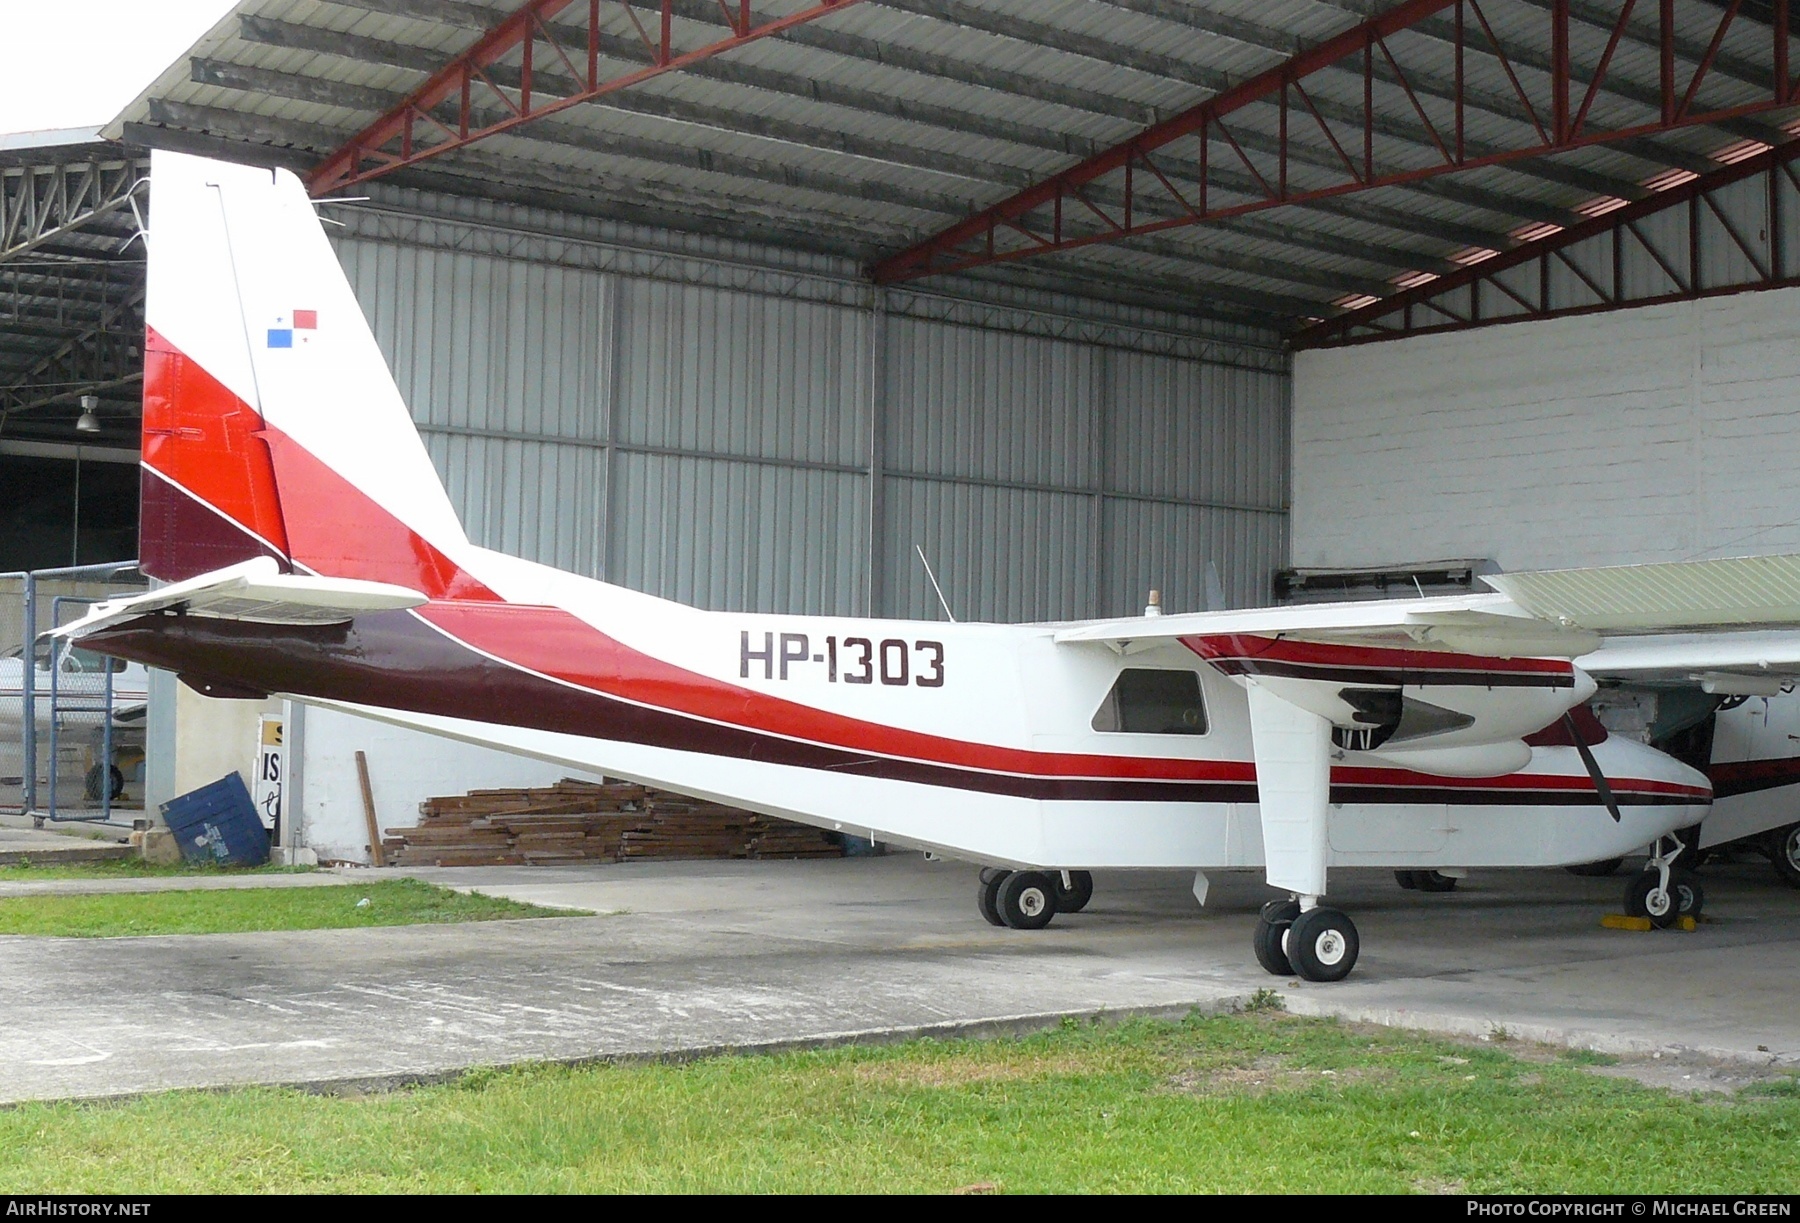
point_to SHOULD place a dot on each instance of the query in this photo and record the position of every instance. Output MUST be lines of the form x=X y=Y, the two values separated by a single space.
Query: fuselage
x=981 y=741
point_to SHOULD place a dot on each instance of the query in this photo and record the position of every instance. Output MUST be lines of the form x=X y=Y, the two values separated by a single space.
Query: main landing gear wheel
x=1271 y=928
x=1026 y=900
x=1434 y=881
x=1603 y=869
x=1073 y=898
x=1408 y=880
x=1784 y=854
x=987 y=896
x=1322 y=944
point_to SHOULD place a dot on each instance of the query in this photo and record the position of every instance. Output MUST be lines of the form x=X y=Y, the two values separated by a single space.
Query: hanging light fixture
x=88 y=422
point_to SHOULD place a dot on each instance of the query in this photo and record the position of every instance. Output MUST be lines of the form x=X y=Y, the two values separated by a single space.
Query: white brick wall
x=1661 y=433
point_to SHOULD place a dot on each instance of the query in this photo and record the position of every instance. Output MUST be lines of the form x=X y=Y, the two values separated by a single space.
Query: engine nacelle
x=1418 y=707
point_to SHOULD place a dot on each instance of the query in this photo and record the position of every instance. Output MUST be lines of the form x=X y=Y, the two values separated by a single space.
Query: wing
x=1456 y=685
x=1489 y=624
x=255 y=591
x=1563 y=613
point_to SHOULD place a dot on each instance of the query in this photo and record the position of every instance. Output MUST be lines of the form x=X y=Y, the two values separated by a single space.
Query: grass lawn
x=393 y=902
x=1262 y=1103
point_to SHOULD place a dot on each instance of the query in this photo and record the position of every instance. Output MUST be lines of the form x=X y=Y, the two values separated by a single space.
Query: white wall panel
x=1000 y=554
x=1659 y=433
x=739 y=374
x=539 y=500
x=479 y=342
x=739 y=536
x=1150 y=545
x=964 y=402
x=1210 y=433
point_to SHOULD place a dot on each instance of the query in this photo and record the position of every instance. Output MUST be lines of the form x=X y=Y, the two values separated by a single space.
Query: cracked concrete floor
x=682 y=957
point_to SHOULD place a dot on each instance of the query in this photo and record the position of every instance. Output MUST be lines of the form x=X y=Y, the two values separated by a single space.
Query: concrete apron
x=693 y=958
x=69 y=843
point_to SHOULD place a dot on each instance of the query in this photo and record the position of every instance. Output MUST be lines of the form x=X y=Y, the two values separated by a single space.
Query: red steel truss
x=462 y=104
x=1369 y=109
x=1724 y=232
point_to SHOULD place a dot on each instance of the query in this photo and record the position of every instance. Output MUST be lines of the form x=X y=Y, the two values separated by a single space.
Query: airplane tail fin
x=272 y=425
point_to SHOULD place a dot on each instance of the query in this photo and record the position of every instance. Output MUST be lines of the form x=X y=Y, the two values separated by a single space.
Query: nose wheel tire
x=1645 y=896
x=987 y=895
x=1322 y=944
x=1026 y=900
x=1075 y=897
x=1271 y=927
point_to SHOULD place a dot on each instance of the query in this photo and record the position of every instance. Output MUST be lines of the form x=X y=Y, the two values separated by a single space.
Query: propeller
x=1593 y=766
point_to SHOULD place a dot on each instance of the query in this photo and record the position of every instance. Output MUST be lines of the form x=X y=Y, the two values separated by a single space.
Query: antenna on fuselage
x=1215 y=589
x=942 y=601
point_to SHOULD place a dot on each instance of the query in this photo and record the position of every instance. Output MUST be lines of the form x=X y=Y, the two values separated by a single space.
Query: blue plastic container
x=218 y=823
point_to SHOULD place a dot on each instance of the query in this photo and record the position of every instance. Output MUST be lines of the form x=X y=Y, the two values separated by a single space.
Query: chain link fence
x=72 y=723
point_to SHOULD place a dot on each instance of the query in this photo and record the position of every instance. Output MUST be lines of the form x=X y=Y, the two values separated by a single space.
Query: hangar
x=755 y=307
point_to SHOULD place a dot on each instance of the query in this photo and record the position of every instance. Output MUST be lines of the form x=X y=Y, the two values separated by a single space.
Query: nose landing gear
x=1663 y=892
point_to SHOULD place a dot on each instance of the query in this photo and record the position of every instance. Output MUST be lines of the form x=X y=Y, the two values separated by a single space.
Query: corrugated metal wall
x=706 y=430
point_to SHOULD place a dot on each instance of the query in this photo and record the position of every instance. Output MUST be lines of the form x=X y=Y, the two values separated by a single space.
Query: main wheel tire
x=1434 y=881
x=1408 y=880
x=987 y=895
x=1271 y=924
x=1645 y=897
x=1784 y=854
x=1690 y=896
x=1075 y=897
x=1322 y=944
x=1603 y=869
x=1026 y=900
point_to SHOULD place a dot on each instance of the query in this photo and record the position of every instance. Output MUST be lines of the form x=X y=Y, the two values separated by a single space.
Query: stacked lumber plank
x=584 y=821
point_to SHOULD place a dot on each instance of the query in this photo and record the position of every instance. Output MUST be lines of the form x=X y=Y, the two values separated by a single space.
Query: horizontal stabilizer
x=256 y=591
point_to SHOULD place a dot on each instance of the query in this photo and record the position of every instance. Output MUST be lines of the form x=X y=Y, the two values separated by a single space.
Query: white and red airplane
x=314 y=553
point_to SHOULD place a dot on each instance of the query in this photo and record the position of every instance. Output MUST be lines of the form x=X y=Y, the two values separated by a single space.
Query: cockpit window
x=1146 y=702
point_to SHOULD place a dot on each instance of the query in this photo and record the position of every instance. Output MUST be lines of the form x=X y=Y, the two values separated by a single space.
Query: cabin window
x=1146 y=702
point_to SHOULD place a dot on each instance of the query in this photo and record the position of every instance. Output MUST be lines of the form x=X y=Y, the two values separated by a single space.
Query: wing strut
x=1293 y=788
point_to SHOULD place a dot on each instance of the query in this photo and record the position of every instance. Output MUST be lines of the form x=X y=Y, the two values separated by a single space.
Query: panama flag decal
x=283 y=333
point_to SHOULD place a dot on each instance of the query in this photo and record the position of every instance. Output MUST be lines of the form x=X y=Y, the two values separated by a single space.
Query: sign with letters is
x=267 y=791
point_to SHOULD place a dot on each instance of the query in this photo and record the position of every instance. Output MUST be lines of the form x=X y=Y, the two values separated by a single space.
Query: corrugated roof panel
x=882 y=123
